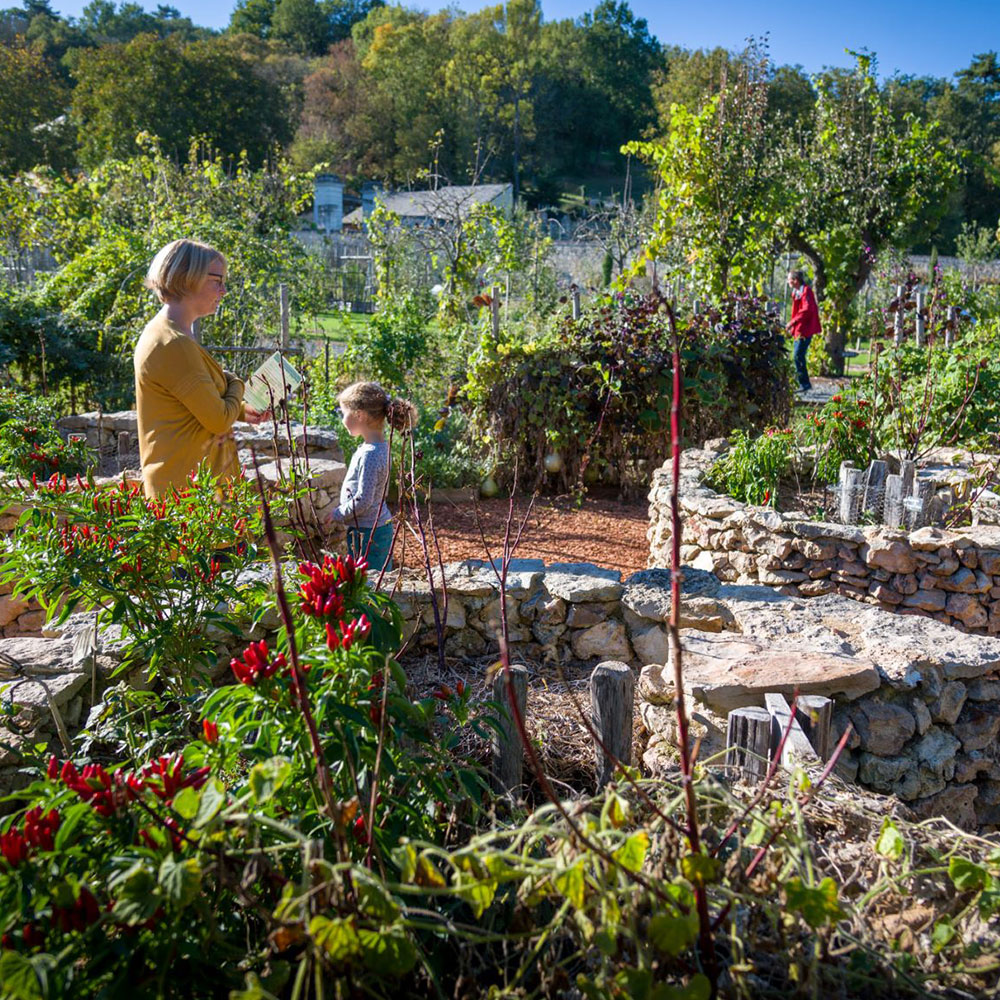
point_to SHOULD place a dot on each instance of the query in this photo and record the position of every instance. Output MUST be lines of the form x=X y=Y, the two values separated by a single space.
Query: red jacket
x=805 y=315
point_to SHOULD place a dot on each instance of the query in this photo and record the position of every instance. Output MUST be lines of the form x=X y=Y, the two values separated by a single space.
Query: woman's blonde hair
x=372 y=400
x=180 y=269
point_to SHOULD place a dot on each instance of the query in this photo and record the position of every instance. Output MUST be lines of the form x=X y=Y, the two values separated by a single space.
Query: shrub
x=598 y=390
x=845 y=429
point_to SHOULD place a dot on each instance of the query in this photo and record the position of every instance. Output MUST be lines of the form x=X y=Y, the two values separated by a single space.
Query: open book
x=271 y=384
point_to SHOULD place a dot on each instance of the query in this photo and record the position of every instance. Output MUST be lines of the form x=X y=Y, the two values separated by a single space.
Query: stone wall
x=923 y=699
x=951 y=576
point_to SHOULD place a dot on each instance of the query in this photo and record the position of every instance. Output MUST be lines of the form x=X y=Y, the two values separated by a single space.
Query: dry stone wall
x=951 y=576
x=922 y=699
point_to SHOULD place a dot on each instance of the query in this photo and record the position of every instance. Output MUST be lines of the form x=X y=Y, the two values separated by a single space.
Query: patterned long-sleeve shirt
x=361 y=503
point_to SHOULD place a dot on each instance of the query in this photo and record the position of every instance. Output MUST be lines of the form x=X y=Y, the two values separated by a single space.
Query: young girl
x=366 y=407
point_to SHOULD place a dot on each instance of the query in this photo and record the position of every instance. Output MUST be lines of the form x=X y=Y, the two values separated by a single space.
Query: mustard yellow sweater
x=183 y=402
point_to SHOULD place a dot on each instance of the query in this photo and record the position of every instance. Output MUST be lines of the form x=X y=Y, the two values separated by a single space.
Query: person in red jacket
x=803 y=325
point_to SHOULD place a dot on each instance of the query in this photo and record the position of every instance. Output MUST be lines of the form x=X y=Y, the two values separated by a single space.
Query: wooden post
x=508 y=750
x=898 y=320
x=918 y=507
x=797 y=748
x=920 y=328
x=814 y=713
x=576 y=302
x=123 y=448
x=908 y=470
x=892 y=508
x=283 y=314
x=874 y=486
x=495 y=311
x=850 y=490
x=696 y=308
x=612 y=697
x=748 y=741
x=951 y=330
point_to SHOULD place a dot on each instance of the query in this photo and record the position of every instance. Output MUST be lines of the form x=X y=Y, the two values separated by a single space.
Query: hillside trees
x=214 y=89
x=31 y=98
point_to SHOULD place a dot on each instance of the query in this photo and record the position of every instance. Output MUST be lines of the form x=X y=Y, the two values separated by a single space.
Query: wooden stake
x=814 y=713
x=576 y=302
x=612 y=697
x=850 y=490
x=797 y=748
x=874 y=486
x=508 y=750
x=898 y=320
x=920 y=320
x=283 y=314
x=748 y=741
x=892 y=508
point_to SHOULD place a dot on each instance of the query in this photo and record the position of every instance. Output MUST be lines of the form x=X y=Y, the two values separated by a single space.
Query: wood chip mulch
x=603 y=530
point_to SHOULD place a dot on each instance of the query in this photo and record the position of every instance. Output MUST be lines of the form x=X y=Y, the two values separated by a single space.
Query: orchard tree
x=718 y=190
x=856 y=180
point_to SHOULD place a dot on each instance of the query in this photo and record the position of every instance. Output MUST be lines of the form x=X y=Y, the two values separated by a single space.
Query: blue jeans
x=799 y=350
x=380 y=550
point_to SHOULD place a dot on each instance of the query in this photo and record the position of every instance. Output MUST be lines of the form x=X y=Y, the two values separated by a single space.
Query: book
x=271 y=384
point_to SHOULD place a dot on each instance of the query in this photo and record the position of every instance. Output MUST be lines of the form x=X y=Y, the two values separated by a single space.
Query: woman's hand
x=252 y=416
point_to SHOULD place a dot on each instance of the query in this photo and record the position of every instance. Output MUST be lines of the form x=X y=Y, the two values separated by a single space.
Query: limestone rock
x=884 y=727
x=984 y=689
x=956 y=803
x=921 y=714
x=582 y=582
x=936 y=752
x=886 y=774
x=947 y=706
x=967 y=610
x=888 y=550
x=730 y=672
x=926 y=600
x=544 y=609
x=987 y=804
x=585 y=615
x=651 y=645
x=606 y=641
x=47 y=662
x=977 y=725
x=647 y=593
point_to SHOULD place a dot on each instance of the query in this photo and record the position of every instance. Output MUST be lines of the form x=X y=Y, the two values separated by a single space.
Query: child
x=365 y=407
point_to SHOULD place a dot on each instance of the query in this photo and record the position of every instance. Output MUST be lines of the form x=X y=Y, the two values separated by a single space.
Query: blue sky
x=917 y=37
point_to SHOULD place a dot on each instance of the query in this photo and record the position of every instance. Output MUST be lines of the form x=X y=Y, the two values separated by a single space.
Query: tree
x=491 y=72
x=302 y=25
x=857 y=179
x=210 y=88
x=31 y=99
x=252 y=17
x=718 y=200
x=342 y=15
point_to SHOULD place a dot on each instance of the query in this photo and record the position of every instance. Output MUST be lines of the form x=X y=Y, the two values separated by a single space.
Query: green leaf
x=817 y=904
x=71 y=820
x=966 y=875
x=700 y=869
x=181 y=880
x=673 y=933
x=213 y=798
x=18 y=978
x=186 y=802
x=388 y=950
x=890 y=843
x=337 y=937
x=571 y=884
x=632 y=853
x=943 y=934
x=267 y=777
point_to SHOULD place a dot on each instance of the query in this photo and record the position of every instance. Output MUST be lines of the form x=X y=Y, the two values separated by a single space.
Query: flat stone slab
x=47 y=660
x=477 y=578
x=576 y=582
x=726 y=672
x=324 y=473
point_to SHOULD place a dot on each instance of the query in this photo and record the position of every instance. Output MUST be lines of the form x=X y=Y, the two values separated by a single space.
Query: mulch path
x=603 y=530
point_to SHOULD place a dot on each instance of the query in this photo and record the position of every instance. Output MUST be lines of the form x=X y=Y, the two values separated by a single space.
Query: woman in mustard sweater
x=185 y=402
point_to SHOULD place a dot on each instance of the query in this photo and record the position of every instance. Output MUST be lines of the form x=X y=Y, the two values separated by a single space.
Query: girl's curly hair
x=371 y=399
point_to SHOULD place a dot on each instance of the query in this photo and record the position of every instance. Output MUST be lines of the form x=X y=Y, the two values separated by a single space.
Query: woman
x=185 y=402
x=804 y=324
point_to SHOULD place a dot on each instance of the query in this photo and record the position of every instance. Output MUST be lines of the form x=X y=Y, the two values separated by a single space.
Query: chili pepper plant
x=164 y=570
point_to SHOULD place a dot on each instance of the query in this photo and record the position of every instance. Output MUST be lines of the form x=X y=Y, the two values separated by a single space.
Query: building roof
x=440 y=204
